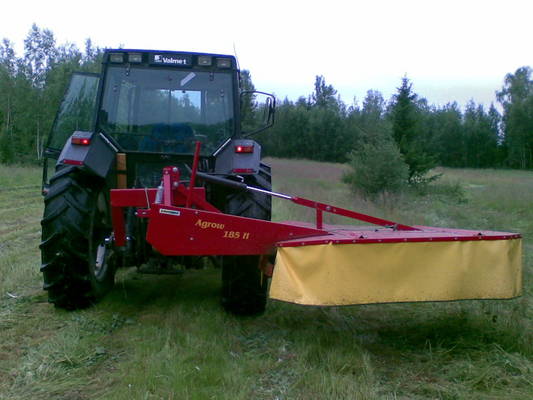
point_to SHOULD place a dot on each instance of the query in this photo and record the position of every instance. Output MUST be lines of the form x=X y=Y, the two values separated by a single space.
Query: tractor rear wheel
x=244 y=286
x=78 y=262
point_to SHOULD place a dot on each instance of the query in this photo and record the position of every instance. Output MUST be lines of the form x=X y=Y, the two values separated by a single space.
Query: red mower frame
x=181 y=222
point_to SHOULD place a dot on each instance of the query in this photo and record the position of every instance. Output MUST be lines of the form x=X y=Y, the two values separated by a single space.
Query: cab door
x=76 y=113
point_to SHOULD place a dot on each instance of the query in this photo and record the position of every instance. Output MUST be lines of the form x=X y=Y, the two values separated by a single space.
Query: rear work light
x=205 y=61
x=116 y=57
x=135 y=58
x=224 y=62
x=244 y=149
x=80 y=141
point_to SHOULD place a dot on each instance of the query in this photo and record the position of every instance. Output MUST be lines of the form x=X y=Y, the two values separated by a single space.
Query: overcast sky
x=451 y=50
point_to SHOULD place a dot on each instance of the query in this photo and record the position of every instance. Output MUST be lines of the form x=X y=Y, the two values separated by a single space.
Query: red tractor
x=119 y=129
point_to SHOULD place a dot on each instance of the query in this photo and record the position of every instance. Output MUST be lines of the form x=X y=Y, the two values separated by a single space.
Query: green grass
x=166 y=337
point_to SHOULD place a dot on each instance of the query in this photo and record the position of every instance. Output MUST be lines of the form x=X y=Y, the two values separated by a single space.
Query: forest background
x=318 y=126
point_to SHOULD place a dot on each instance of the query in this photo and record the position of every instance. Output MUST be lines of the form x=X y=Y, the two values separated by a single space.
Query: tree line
x=318 y=126
x=31 y=89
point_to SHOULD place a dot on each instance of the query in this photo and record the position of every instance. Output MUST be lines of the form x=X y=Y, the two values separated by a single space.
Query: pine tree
x=405 y=131
x=516 y=98
x=324 y=95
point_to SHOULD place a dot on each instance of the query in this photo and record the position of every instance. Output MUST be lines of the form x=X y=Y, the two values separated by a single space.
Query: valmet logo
x=182 y=60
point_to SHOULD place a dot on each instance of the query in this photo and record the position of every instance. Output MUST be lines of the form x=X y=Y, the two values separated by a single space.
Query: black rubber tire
x=244 y=287
x=74 y=228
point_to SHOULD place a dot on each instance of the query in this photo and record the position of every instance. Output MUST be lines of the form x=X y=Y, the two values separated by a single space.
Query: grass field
x=166 y=337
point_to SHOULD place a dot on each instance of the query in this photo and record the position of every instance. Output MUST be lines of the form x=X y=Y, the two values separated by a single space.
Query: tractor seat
x=173 y=138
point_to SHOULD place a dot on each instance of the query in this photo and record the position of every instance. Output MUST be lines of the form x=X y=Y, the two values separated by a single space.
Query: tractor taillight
x=81 y=141
x=244 y=149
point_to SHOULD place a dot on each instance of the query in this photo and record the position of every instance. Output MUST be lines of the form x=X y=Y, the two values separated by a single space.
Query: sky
x=451 y=50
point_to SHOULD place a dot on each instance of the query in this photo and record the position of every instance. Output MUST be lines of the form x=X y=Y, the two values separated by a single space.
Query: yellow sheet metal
x=342 y=274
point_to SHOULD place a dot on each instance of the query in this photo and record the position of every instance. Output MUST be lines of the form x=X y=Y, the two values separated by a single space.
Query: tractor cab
x=149 y=108
x=165 y=102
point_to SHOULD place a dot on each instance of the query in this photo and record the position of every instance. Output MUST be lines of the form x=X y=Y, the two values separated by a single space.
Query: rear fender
x=89 y=150
x=232 y=161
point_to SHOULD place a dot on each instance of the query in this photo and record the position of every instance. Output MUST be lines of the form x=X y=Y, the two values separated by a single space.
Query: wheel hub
x=101 y=253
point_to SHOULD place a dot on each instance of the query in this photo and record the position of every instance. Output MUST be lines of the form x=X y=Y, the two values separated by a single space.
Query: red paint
x=186 y=231
x=117 y=216
x=365 y=235
x=143 y=199
x=350 y=214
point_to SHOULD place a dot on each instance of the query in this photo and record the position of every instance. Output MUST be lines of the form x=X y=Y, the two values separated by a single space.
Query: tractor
x=119 y=129
x=154 y=168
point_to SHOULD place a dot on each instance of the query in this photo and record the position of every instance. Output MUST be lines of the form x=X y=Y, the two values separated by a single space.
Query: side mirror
x=257 y=112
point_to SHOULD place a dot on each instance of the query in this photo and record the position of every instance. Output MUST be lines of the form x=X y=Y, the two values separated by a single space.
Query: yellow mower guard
x=364 y=273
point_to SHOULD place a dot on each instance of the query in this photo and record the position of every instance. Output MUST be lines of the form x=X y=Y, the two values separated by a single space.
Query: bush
x=446 y=191
x=377 y=168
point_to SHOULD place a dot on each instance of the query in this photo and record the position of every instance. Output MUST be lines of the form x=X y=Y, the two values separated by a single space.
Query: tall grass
x=166 y=337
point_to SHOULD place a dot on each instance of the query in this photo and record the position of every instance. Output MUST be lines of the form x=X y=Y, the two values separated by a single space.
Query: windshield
x=167 y=111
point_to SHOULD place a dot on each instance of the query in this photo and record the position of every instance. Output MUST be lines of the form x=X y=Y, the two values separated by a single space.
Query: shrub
x=377 y=168
x=446 y=191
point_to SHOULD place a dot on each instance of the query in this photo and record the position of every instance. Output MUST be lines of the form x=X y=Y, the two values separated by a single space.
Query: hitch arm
x=319 y=207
